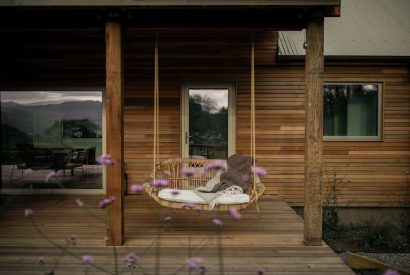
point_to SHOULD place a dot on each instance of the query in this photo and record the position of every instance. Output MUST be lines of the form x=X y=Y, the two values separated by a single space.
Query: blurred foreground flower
x=28 y=213
x=217 y=222
x=235 y=213
x=137 y=188
x=187 y=172
x=261 y=172
x=105 y=159
x=175 y=192
x=159 y=182
x=216 y=165
x=87 y=259
x=106 y=202
x=391 y=272
x=51 y=175
x=194 y=263
x=260 y=271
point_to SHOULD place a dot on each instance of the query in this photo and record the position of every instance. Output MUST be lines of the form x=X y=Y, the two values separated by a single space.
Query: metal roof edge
x=346 y=58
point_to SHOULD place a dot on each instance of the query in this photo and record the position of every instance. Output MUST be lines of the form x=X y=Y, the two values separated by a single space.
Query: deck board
x=271 y=239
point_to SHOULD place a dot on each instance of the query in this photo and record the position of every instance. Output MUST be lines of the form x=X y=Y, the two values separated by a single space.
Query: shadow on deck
x=271 y=240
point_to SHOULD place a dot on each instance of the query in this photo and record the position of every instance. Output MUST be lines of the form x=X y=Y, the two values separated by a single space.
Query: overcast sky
x=37 y=96
x=220 y=96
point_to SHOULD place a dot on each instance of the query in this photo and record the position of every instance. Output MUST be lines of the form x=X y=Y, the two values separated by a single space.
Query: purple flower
x=51 y=175
x=187 y=172
x=260 y=271
x=175 y=192
x=391 y=272
x=105 y=160
x=261 y=172
x=217 y=222
x=41 y=260
x=131 y=260
x=28 y=213
x=187 y=205
x=235 y=213
x=194 y=263
x=137 y=188
x=79 y=202
x=27 y=171
x=87 y=259
x=106 y=202
x=159 y=182
x=216 y=165
x=167 y=173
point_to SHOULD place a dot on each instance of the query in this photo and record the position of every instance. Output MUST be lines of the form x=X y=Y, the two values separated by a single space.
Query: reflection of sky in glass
x=47 y=97
x=220 y=96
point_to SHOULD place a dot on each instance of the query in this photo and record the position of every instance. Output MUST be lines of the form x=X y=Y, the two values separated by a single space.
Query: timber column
x=314 y=69
x=114 y=102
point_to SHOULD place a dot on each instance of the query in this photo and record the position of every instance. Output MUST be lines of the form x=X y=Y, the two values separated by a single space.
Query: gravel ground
x=398 y=260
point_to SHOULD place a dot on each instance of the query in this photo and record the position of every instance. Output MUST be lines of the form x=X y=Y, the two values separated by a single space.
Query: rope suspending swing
x=170 y=169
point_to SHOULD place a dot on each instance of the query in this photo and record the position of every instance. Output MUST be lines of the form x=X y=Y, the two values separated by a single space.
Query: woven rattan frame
x=171 y=170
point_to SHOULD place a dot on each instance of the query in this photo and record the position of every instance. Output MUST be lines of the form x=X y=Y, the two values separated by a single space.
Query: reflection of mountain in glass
x=207 y=125
x=50 y=122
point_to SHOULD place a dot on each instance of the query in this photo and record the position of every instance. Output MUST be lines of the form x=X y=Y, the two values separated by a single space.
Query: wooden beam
x=314 y=69
x=114 y=102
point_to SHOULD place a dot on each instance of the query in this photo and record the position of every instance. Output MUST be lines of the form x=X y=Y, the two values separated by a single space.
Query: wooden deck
x=271 y=239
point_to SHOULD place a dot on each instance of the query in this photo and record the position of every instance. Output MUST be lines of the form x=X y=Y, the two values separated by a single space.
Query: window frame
x=378 y=137
x=185 y=113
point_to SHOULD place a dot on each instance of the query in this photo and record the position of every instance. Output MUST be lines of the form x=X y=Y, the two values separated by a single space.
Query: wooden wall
x=75 y=59
x=376 y=170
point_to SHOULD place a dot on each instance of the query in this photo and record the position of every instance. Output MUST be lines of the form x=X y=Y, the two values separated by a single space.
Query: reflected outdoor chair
x=81 y=158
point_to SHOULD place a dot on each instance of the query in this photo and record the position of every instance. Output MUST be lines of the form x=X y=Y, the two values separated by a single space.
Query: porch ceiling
x=160 y=14
x=168 y=2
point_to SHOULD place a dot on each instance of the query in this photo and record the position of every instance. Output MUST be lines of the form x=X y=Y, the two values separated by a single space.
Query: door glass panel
x=208 y=123
x=51 y=131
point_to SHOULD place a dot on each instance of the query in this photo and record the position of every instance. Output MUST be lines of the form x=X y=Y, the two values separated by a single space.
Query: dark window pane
x=208 y=123
x=351 y=110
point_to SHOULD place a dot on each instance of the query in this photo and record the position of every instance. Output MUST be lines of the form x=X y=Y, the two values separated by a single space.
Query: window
x=352 y=111
x=45 y=131
x=208 y=121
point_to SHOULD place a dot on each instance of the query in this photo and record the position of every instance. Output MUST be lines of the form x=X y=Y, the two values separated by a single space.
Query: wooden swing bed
x=171 y=169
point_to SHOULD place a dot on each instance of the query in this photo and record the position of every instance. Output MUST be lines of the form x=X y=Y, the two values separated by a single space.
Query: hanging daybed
x=178 y=192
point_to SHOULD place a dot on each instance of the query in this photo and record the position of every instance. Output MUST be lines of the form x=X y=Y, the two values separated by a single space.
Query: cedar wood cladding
x=76 y=60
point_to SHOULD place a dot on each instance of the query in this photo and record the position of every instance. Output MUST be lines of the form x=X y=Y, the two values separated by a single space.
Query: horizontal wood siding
x=75 y=60
x=205 y=57
x=376 y=170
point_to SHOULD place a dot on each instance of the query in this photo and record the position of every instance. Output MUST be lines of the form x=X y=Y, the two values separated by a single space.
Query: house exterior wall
x=73 y=60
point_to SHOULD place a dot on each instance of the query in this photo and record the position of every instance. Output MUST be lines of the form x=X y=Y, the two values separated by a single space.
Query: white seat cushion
x=191 y=197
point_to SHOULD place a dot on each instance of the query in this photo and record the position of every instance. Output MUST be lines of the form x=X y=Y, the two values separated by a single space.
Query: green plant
x=334 y=185
x=405 y=207
x=375 y=236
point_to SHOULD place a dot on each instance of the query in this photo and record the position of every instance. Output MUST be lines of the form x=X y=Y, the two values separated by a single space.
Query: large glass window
x=51 y=131
x=352 y=111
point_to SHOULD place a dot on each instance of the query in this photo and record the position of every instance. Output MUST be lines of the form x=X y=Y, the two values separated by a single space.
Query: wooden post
x=314 y=69
x=114 y=114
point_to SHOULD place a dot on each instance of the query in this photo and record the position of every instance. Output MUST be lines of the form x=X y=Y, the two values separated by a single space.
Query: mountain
x=36 y=119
